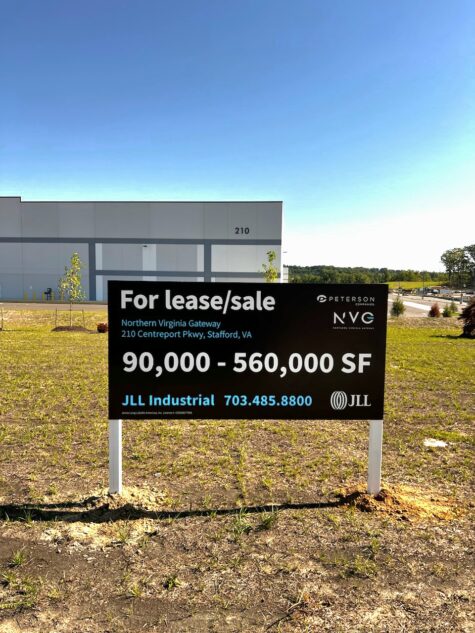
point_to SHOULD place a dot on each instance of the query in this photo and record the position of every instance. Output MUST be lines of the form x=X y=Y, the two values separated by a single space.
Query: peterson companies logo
x=357 y=300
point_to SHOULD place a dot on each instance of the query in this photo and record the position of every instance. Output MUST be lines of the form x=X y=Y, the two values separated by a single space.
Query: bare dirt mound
x=108 y=520
x=403 y=502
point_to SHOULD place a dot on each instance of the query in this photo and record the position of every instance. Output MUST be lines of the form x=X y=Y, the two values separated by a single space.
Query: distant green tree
x=470 y=254
x=70 y=284
x=384 y=275
x=398 y=308
x=271 y=272
x=459 y=264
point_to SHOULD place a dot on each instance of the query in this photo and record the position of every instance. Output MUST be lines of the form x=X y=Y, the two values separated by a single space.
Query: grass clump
x=361 y=567
x=267 y=520
x=241 y=524
x=171 y=582
x=18 y=558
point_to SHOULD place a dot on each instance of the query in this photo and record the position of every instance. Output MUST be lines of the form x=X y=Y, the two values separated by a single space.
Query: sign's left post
x=115 y=457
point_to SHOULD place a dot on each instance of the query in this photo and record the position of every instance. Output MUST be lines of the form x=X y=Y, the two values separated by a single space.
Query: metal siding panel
x=181 y=257
x=216 y=220
x=40 y=219
x=11 y=285
x=76 y=219
x=10 y=217
x=242 y=259
x=176 y=220
x=122 y=219
x=242 y=215
x=11 y=259
x=122 y=256
x=269 y=221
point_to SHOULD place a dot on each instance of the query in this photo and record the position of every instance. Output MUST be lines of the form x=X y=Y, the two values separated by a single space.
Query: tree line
x=359 y=275
x=459 y=272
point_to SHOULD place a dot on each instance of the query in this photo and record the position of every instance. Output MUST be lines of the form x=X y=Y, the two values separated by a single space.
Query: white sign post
x=115 y=457
x=375 y=456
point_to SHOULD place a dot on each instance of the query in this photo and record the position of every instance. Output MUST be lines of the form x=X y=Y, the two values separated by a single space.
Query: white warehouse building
x=180 y=241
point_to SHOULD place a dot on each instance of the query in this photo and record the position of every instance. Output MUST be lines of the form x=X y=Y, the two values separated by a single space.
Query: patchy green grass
x=53 y=425
x=256 y=565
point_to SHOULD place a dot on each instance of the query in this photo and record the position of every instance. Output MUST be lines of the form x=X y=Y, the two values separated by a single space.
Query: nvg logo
x=353 y=317
x=321 y=298
x=339 y=400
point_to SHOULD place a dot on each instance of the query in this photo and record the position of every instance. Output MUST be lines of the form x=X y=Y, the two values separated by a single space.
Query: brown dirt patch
x=72 y=328
x=404 y=502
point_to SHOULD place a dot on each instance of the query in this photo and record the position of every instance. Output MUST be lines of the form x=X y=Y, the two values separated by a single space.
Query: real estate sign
x=246 y=350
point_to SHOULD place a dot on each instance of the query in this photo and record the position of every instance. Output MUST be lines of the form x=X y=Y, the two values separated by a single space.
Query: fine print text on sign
x=246 y=350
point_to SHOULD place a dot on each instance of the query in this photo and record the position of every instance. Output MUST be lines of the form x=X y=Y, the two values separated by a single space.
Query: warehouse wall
x=125 y=239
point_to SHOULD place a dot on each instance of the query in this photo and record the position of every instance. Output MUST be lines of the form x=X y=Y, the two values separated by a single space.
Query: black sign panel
x=246 y=351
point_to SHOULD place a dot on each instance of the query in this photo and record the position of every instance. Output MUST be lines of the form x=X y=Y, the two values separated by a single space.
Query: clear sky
x=358 y=115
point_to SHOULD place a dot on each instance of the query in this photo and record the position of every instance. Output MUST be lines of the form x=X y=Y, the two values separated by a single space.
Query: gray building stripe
x=207 y=261
x=48 y=240
x=99 y=202
x=134 y=240
x=92 y=271
x=236 y=275
x=150 y=273
x=175 y=273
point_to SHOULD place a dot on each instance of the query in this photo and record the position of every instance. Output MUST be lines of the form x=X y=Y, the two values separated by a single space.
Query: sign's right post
x=375 y=456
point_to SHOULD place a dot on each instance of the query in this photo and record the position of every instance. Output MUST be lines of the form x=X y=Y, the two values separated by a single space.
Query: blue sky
x=358 y=115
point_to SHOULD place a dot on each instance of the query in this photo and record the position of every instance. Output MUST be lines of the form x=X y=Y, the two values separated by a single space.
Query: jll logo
x=339 y=400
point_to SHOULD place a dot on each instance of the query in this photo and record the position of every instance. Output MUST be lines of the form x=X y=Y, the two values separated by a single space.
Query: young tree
x=270 y=270
x=397 y=308
x=69 y=285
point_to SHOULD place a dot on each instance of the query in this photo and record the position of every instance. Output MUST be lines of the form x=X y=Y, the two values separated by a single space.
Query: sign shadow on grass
x=69 y=511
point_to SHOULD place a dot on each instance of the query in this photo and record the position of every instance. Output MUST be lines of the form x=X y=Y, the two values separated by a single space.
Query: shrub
x=398 y=308
x=434 y=310
x=447 y=312
x=468 y=317
x=102 y=327
x=453 y=308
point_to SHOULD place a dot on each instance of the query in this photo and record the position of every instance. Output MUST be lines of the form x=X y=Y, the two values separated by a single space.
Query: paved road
x=411 y=304
x=419 y=307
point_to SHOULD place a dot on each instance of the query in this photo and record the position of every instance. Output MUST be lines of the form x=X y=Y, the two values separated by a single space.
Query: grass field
x=232 y=525
x=409 y=285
